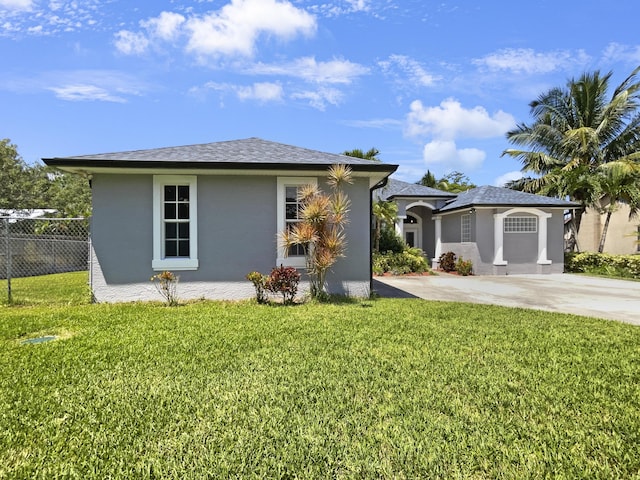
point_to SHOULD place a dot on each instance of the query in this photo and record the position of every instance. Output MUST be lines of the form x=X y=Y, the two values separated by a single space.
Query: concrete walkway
x=581 y=295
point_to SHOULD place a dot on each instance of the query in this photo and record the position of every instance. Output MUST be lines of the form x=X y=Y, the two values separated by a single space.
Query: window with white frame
x=288 y=214
x=465 y=228
x=520 y=224
x=175 y=228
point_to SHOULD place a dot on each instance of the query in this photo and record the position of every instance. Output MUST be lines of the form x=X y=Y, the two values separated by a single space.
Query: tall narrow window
x=465 y=228
x=175 y=222
x=288 y=214
x=292 y=215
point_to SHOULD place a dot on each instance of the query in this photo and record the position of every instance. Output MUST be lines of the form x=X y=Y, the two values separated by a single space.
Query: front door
x=411 y=231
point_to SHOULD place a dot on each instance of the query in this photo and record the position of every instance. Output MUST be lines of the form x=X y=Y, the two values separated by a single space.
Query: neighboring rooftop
x=398 y=188
x=250 y=153
x=489 y=195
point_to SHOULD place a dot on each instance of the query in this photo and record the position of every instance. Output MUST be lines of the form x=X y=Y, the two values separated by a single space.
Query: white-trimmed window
x=465 y=228
x=175 y=227
x=288 y=215
x=520 y=224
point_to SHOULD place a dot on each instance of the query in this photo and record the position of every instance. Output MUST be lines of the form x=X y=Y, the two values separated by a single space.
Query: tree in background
x=69 y=194
x=454 y=182
x=371 y=154
x=385 y=212
x=29 y=187
x=20 y=186
x=619 y=182
x=575 y=131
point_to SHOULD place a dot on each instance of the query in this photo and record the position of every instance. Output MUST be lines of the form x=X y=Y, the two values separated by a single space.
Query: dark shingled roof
x=250 y=153
x=488 y=195
x=398 y=188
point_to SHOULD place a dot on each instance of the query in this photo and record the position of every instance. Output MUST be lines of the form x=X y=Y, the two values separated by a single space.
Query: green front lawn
x=375 y=389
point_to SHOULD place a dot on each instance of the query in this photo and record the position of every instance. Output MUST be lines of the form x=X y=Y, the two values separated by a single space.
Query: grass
x=377 y=389
x=57 y=289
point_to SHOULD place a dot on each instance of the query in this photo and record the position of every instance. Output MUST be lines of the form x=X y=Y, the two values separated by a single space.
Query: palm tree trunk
x=603 y=237
x=576 y=220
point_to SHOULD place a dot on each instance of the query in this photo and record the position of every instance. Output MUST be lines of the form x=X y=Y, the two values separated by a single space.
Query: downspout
x=381 y=184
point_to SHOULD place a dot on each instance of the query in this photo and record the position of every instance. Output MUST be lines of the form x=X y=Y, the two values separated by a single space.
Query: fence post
x=8 y=259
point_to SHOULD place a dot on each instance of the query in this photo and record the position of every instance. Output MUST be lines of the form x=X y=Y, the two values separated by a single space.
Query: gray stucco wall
x=236 y=235
x=122 y=226
x=451 y=231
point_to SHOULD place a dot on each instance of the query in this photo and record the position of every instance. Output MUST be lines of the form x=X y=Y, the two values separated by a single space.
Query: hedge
x=627 y=266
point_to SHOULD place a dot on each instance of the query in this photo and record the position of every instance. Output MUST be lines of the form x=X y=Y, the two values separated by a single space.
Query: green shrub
x=447 y=261
x=464 y=267
x=390 y=241
x=410 y=260
x=259 y=282
x=624 y=266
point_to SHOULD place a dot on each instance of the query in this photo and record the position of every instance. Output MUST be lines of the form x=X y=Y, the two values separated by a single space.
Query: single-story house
x=502 y=231
x=211 y=214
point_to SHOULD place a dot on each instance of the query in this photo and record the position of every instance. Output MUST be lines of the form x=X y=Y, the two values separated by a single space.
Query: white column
x=400 y=226
x=498 y=239
x=438 y=233
x=542 y=239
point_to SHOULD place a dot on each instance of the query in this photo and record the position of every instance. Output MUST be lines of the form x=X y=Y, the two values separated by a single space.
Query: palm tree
x=575 y=131
x=621 y=183
x=384 y=212
x=371 y=154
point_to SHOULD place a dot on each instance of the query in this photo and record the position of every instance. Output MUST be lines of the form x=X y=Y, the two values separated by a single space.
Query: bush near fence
x=626 y=266
x=31 y=247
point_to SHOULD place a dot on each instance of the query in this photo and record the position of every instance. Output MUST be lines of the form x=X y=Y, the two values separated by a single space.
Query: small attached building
x=211 y=214
x=502 y=231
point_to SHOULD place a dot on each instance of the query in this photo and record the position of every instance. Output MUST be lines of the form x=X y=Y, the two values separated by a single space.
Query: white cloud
x=260 y=91
x=407 y=71
x=307 y=68
x=616 y=52
x=48 y=17
x=379 y=123
x=528 y=61
x=16 y=4
x=445 y=153
x=450 y=120
x=166 y=26
x=263 y=92
x=235 y=29
x=502 y=180
x=345 y=7
x=80 y=92
x=131 y=43
x=320 y=98
x=230 y=31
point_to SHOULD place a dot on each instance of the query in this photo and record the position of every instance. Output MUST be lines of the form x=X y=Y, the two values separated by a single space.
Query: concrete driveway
x=581 y=295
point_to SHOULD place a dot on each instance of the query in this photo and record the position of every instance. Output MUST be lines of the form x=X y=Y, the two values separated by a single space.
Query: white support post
x=438 y=234
x=400 y=226
x=498 y=239
x=542 y=239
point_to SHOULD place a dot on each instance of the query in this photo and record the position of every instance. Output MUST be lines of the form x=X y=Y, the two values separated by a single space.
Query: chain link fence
x=31 y=247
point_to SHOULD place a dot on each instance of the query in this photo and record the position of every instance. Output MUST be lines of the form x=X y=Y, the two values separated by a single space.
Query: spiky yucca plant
x=321 y=229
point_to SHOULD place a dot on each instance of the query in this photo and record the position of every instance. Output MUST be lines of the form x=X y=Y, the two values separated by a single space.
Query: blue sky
x=432 y=85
